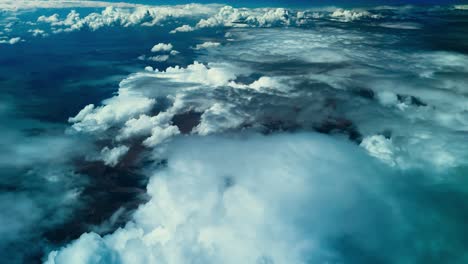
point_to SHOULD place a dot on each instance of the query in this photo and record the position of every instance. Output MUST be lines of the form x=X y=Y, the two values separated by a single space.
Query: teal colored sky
x=301 y=3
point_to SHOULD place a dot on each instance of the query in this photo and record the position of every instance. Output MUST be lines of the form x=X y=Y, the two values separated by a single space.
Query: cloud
x=11 y=41
x=160 y=134
x=111 y=157
x=125 y=17
x=183 y=28
x=207 y=45
x=352 y=15
x=244 y=17
x=38 y=33
x=264 y=199
x=162 y=47
x=49 y=19
x=351 y=94
x=115 y=110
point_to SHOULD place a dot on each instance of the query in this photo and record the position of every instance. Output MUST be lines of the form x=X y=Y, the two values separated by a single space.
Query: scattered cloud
x=11 y=41
x=207 y=45
x=162 y=47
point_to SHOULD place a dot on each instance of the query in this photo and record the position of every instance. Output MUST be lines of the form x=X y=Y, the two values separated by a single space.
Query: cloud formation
x=242 y=206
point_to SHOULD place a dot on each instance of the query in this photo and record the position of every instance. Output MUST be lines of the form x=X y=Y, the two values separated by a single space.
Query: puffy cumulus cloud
x=111 y=157
x=183 y=28
x=162 y=47
x=115 y=110
x=245 y=17
x=352 y=15
x=207 y=45
x=160 y=134
x=273 y=199
x=139 y=126
x=49 y=19
x=213 y=74
x=208 y=16
x=115 y=16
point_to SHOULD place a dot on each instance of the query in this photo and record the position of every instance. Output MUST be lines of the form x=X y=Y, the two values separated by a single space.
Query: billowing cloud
x=115 y=110
x=183 y=28
x=351 y=15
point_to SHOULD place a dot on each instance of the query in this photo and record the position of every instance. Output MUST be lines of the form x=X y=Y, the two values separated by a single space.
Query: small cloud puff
x=184 y=28
x=162 y=47
x=207 y=45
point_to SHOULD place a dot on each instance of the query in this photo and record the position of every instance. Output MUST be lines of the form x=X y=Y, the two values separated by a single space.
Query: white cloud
x=162 y=47
x=125 y=17
x=143 y=125
x=111 y=157
x=115 y=110
x=381 y=148
x=246 y=200
x=218 y=118
x=266 y=82
x=38 y=32
x=11 y=41
x=244 y=17
x=161 y=134
x=207 y=45
x=49 y=19
x=214 y=74
x=183 y=28
x=352 y=15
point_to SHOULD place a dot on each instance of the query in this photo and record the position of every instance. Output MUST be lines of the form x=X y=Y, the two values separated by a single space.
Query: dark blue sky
x=296 y=3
